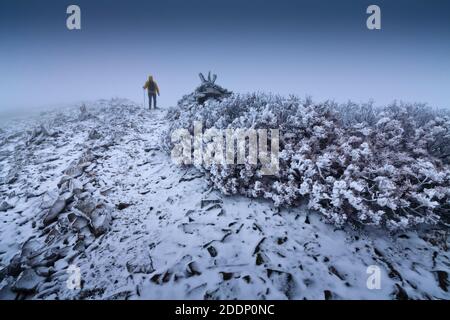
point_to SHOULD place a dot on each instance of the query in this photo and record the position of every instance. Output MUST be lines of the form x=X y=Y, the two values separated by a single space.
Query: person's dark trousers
x=150 y=97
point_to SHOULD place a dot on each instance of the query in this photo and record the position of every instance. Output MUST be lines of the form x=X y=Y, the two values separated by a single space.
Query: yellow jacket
x=151 y=86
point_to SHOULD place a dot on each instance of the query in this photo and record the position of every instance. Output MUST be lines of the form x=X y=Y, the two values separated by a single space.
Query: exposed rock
x=7 y=294
x=226 y=275
x=38 y=135
x=191 y=176
x=122 y=295
x=400 y=293
x=74 y=171
x=283 y=281
x=437 y=237
x=260 y=258
x=15 y=266
x=44 y=271
x=63 y=180
x=212 y=251
x=77 y=222
x=141 y=265
x=94 y=135
x=122 y=205
x=11 y=177
x=328 y=295
x=3 y=273
x=48 y=258
x=5 y=206
x=86 y=206
x=100 y=221
x=214 y=206
x=442 y=277
x=208 y=89
x=193 y=269
x=190 y=228
x=75 y=186
x=206 y=202
x=54 y=211
x=48 y=199
x=46 y=131
x=31 y=247
x=258 y=246
x=27 y=281
x=334 y=271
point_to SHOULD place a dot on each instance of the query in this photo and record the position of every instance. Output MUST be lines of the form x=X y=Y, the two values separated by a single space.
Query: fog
x=320 y=49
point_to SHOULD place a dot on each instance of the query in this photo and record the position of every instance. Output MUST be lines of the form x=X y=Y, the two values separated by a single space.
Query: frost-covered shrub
x=352 y=163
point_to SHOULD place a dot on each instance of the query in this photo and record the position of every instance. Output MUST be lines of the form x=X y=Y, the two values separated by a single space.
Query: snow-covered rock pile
x=371 y=166
x=53 y=188
x=208 y=90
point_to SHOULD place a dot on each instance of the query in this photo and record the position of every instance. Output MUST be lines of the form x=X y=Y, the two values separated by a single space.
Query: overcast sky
x=318 y=48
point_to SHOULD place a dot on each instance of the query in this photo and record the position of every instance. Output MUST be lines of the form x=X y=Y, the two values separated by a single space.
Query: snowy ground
x=93 y=190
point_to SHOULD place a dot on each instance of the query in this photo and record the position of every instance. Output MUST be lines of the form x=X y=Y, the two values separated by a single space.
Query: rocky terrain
x=90 y=188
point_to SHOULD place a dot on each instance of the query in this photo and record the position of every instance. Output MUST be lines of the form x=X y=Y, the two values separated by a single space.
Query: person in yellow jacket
x=153 y=90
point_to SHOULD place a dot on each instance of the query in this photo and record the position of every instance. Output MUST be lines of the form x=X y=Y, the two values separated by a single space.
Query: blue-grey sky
x=320 y=48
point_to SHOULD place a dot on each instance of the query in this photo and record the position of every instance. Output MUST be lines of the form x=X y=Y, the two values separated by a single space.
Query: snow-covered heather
x=354 y=164
x=93 y=189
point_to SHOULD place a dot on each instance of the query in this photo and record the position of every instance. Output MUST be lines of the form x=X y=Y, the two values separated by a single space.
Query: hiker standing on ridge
x=152 y=89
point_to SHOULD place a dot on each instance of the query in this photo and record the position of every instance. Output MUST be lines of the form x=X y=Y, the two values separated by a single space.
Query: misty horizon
x=321 y=49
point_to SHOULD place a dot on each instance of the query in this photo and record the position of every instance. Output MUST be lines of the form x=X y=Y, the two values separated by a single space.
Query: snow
x=165 y=234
